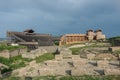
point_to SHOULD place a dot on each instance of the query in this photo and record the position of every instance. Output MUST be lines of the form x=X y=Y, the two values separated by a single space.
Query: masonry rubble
x=66 y=53
x=67 y=64
x=102 y=63
x=8 y=54
x=35 y=53
x=90 y=56
x=112 y=71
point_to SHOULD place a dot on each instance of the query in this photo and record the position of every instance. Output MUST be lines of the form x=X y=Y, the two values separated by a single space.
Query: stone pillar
x=82 y=38
x=68 y=39
x=73 y=39
x=77 y=38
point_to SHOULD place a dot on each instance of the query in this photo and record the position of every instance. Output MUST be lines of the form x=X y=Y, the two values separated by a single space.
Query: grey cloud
x=59 y=16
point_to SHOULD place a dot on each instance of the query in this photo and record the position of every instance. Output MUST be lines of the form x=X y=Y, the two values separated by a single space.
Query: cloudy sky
x=59 y=17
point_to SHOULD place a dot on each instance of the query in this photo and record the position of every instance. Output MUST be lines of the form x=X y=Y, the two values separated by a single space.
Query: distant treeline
x=115 y=41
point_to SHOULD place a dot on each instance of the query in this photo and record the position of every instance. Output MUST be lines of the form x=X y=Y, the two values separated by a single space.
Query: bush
x=56 y=42
x=4 y=61
x=6 y=70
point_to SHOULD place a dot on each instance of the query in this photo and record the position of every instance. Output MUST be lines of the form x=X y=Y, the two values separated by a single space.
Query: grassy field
x=65 y=78
x=18 y=62
x=10 y=48
x=44 y=57
x=14 y=63
x=76 y=51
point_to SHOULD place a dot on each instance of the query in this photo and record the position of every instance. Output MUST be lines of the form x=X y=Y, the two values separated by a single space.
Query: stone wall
x=102 y=63
x=80 y=71
x=8 y=54
x=114 y=48
x=58 y=57
x=5 y=54
x=66 y=53
x=79 y=62
x=49 y=49
x=35 y=53
x=90 y=56
x=40 y=51
x=112 y=71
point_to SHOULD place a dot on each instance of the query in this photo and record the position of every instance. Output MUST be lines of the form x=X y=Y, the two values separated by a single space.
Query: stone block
x=102 y=63
x=32 y=63
x=14 y=53
x=79 y=62
x=26 y=55
x=22 y=51
x=75 y=57
x=66 y=53
x=90 y=56
x=51 y=63
x=60 y=71
x=33 y=73
x=111 y=71
x=114 y=48
x=58 y=57
x=5 y=54
x=79 y=71
x=119 y=56
x=45 y=72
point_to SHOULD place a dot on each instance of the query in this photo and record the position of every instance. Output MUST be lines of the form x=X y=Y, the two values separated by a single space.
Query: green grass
x=44 y=57
x=76 y=51
x=10 y=48
x=18 y=62
x=66 y=78
x=87 y=78
x=117 y=51
x=14 y=62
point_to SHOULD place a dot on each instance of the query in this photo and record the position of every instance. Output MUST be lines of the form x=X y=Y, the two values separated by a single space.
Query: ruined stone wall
x=112 y=71
x=114 y=48
x=17 y=52
x=14 y=53
x=35 y=53
x=8 y=54
x=5 y=54
x=40 y=51
x=49 y=49
x=90 y=56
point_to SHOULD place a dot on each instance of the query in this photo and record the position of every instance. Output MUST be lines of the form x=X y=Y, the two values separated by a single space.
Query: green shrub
x=6 y=70
x=56 y=42
x=4 y=61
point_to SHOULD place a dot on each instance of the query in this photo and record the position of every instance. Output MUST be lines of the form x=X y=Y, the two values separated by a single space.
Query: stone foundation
x=90 y=56
x=102 y=63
